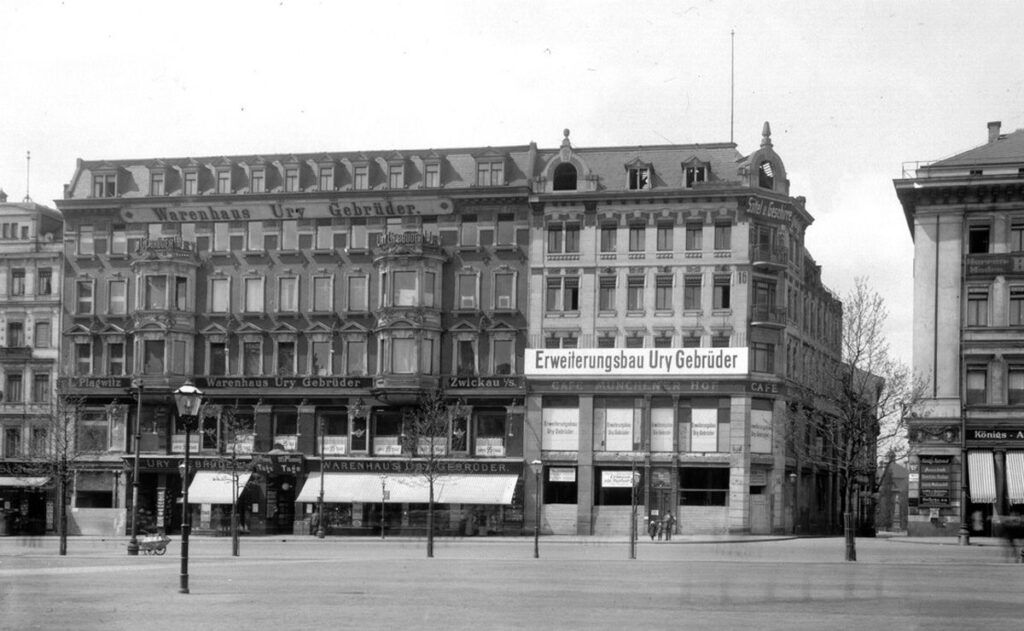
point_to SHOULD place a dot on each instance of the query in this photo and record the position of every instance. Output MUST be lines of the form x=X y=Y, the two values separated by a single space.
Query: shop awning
x=25 y=482
x=982 y=476
x=411 y=489
x=1015 y=476
x=215 y=487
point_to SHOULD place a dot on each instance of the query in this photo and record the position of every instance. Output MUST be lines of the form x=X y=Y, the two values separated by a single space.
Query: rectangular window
x=14 y=388
x=104 y=185
x=722 y=292
x=323 y=293
x=636 y=238
x=503 y=357
x=44 y=284
x=361 y=177
x=41 y=338
x=977 y=385
x=285 y=358
x=396 y=176
x=156 y=293
x=467 y=291
x=117 y=300
x=704 y=486
x=723 y=236
x=691 y=340
x=694 y=237
x=490 y=173
x=357 y=296
x=252 y=358
x=1015 y=385
x=720 y=340
x=324 y=238
x=639 y=179
x=563 y=294
x=218 y=358
x=257 y=181
x=86 y=244
x=429 y=282
x=288 y=294
x=606 y=293
x=490 y=434
x=12 y=442
x=663 y=341
x=191 y=183
x=291 y=179
x=181 y=293
x=608 y=236
x=220 y=295
x=254 y=295
x=224 y=181
x=355 y=357
x=83 y=358
x=762 y=357
x=16 y=334
x=691 y=293
x=254 y=236
x=403 y=356
x=289 y=235
x=432 y=175
x=326 y=177
x=156 y=184
x=115 y=358
x=153 y=356
x=978 y=239
x=466 y=357
x=506 y=230
x=663 y=293
x=404 y=290
x=606 y=341
x=1016 y=306
x=468 y=231
x=635 y=341
x=84 y=293
x=695 y=175
x=221 y=237
x=320 y=356
x=572 y=238
x=41 y=388
x=977 y=306
x=555 y=239
x=504 y=291
x=665 y=237
x=17 y=282
x=635 y=293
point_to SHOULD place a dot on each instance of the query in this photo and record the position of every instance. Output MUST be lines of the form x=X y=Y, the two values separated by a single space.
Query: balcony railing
x=765 y=315
x=769 y=255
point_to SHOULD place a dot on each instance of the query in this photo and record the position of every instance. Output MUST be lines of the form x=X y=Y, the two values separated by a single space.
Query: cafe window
x=704 y=486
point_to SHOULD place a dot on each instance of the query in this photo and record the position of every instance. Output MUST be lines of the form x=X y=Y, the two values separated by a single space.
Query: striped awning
x=1015 y=476
x=410 y=488
x=981 y=474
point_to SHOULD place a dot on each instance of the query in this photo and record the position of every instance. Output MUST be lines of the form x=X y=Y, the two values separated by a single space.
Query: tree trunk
x=848 y=524
x=430 y=522
x=62 y=517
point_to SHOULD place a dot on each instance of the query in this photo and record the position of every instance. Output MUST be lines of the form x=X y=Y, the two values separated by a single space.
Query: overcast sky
x=852 y=90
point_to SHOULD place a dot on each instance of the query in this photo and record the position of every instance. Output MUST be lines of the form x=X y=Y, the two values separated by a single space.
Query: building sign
x=416 y=466
x=698 y=387
x=288 y=383
x=1013 y=435
x=617 y=479
x=661 y=362
x=90 y=383
x=325 y=209
x=773 y=211
x=761 y=431
x=935 y=480
x=500 y=383
x=704 y=429
x=662 y=421
x=561 y=429
x=276 y=464
x=994 y=264
x=561 y=474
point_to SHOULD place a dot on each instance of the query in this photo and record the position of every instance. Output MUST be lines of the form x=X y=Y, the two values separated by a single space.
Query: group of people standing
x=661 y=528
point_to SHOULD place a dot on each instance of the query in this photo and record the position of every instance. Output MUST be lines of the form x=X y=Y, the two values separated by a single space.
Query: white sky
x=852 y=90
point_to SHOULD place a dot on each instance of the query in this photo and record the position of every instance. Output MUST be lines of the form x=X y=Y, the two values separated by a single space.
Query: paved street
x=303 y=583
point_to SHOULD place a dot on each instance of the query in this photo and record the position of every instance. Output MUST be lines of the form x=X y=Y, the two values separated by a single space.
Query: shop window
x=286 y=429
x=560 y=485
x=460 y=435
x=334 y=426
x=617 y=423
x=94 y=490
x=93 y=431
x=490 y=434
x=387 y=433
x=614 y=487
x=560 y=420
x=978 y=237
x=977 y=306
x=977 y=385
x=703 y=486
x=704 y=425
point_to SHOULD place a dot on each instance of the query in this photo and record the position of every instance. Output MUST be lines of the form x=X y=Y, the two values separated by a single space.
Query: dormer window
x=361 y=177
x=696 y=175
x=432 y=174
x=564 y=178
x=639 y=178
x=326 y=177
x=191 y=184
x=223 y=181
x=396 y=175
x=258 y=180
x=104 y=185
x=765 y=175
x=490 y=173
x=291 y=178
x=156 y=183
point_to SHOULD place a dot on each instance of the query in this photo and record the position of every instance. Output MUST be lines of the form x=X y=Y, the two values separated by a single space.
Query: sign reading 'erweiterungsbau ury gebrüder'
x=665 y=362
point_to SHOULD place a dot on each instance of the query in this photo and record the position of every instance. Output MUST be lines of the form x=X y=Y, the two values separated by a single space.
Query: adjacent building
x=966 y=216
x=626 y=319
x=31 y=268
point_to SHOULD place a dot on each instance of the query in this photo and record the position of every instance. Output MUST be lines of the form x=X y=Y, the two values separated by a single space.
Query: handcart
x=154 y=544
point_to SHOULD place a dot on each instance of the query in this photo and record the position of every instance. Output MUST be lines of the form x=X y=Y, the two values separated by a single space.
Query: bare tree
x=426 y=431
x=848 y=412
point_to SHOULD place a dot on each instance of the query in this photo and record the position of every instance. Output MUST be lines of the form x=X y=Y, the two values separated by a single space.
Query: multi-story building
x=314 y=298
x=31 y=267
x=651 y=268
x=966 y=216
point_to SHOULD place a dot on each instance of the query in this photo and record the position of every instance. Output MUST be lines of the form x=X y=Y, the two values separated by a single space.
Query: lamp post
x=634 y=480
x=320 y=531
x=188 y=398
x=383 y=498
x=133 y=543
x=537 y=467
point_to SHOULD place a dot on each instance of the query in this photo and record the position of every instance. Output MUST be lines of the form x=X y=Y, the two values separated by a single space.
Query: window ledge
x=721 y=312
x=663 y=313
x=608 y=256
x=323 y=251
x=636 y=256
x=665 y=255
x=607 y=313
x=636 y=313
x=722 y=254
x=693 y=312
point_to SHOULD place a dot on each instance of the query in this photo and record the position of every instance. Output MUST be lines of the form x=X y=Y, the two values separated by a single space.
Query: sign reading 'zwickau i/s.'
x=646 y=362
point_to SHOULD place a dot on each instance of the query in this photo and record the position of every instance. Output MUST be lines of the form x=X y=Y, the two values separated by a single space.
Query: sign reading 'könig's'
x=648 y=362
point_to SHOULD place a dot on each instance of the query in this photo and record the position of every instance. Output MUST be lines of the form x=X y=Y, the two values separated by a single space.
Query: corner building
x=315 y=297
x=966 y=216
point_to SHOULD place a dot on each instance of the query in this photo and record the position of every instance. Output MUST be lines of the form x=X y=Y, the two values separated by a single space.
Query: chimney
x=3 y=196
x=993 y=131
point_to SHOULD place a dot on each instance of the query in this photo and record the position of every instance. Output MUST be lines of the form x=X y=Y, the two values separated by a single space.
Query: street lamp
x=537 y=467
x=383 y=498
x=188 y=398
x=133 y=543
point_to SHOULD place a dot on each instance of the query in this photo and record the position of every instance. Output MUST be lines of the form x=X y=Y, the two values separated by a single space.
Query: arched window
x=565 y=177
x=765 y=175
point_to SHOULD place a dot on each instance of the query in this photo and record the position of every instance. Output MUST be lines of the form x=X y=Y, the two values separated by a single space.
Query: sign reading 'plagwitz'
x=648 y=362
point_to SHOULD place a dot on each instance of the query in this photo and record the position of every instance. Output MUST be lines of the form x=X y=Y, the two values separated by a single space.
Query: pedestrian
x=652 y=528
x=661 y=529
x=670 y=521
